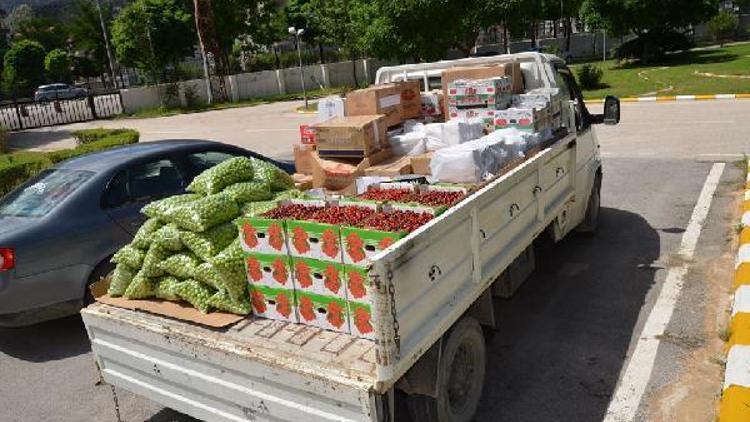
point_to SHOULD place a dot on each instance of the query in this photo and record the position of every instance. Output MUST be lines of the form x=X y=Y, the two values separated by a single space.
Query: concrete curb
x=671 y=98
x=735 y=401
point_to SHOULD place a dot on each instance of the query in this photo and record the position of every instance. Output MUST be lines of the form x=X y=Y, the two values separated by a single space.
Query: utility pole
x=106 y=44
x=206 y=28
x=209 y=94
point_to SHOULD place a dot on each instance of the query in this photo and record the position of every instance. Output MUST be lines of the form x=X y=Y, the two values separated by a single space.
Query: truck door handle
x=514 y=208
x=559 y=171
x=434 y=272
x=537 y=190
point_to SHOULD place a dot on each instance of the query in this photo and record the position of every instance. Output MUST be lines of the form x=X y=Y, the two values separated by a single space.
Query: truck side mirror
x=611 y=110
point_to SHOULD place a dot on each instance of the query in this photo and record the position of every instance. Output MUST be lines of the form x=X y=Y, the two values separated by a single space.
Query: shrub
x=722 y=26
x=590 y=76
x=18 y=167
x=115 y=138
x=86 y=136
x=3 y=141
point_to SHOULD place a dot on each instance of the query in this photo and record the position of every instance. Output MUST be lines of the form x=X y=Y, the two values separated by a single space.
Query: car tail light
x=7 y=259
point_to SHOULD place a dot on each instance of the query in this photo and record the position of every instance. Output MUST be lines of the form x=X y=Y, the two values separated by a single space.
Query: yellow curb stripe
x=742 y=275
x=745 y=236
x=735 y=404
x=705 y=97
x=666 y=98
x=629 y=100
x=746 y=206
x=743 y=96
x=740 y=329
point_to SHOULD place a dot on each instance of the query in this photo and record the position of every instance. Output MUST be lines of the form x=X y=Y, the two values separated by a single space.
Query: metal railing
x=27 y=114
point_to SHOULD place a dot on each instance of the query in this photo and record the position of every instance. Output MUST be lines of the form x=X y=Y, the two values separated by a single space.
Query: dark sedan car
x=59 y=229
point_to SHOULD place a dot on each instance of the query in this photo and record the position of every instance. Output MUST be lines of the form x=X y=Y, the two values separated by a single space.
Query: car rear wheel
x=460 y=377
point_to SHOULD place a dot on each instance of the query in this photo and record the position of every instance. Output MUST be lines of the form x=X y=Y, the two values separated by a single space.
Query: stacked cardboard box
x=411 y=100
x=379 y=99
x=432 y=106
x=478 y=98
x=511 y=70
x=351 y=137
x=524 y=119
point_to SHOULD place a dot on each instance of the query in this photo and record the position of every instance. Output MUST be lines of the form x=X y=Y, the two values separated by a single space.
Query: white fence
x=245 y=86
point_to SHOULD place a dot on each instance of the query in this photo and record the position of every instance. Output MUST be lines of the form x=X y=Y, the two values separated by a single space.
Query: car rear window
x=38 y=196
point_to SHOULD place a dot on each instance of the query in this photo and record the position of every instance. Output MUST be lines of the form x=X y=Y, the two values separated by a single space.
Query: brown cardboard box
x=378 y=99
x=411 y=99
x=511 y=69
x=339 y=175
x=395 y=166
x=420 y=164
x=303 y=158
x=351 y=136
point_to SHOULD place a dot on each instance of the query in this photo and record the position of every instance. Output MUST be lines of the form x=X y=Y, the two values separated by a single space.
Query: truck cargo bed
x=255 y=367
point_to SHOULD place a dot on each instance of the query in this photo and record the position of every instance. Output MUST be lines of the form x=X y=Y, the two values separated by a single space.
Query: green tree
x=58 y=66
x=23 y=68
x=86 y=34
x=722 y=26
x=153 y=35
x=50 y=33
x=17 y=16
x=651 y=21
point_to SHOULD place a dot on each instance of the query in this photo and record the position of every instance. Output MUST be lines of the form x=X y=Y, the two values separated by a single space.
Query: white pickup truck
x=433 y=294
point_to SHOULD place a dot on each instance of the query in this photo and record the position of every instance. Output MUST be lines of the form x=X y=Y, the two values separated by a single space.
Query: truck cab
x=432 y=295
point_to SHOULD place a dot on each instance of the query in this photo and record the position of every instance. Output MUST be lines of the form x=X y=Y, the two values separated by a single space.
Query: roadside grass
x=677 y=74
x=171 y=111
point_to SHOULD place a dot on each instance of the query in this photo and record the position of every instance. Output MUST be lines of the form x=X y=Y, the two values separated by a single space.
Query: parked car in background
x=59 y=229
x=58 y=92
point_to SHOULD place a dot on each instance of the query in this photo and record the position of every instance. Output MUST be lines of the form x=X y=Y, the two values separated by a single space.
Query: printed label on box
x=357 y=284
x=314 y=240
x=362 y=244
x=279 y=304
x=319 y=277
x=360 y=315
x=327 y=312
x=263 y=235
x=269 y=270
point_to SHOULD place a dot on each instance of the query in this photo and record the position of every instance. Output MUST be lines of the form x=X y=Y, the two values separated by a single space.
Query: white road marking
x=634 y=379
x=738 y=361
x=741 y=300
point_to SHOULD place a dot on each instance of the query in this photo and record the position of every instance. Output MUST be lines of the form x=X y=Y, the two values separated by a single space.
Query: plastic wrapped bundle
x=142 y=238
x=130 y=256
x=452 y=133
x=246 y=192
x=181 y=265
x=218 y=177
x=167 y=238
x=152 y=261
x=409 y=143
x=201 y=215
x=252 y=209
x=159 y=209
x=223 y=302
x=196 y=293
x=230 y=266
x=166 y=288
x=121 y=279
x=276 y=177
x=209 y=243
x=141 y=287
x=473 y=161
x=206 y=273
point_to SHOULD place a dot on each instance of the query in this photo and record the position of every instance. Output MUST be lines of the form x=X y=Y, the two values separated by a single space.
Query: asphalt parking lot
x=567 y=336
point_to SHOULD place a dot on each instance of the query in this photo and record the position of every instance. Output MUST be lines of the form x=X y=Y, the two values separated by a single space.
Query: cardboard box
x=307 y=134
x=279 y=304
x=303 y=156
x=362 y=244
x=269 y=270
x=394 y=166
x=319 y=277
x=487 y=115
x=327 y=312
x=509 y=69
x=358 y=284
x=340 y=175
x=303 y=181
x=310 y=239
x=431 y=104
x=360 y=319
x=411 y=99
x=491 y=93
x=177 y=310
x=524 y=119
x=351 y=137
x=263 y=235
x=420 y=164
x=377 y=99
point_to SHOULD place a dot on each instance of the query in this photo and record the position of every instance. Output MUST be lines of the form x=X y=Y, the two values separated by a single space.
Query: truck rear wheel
x=591 y=219
x=460 y=377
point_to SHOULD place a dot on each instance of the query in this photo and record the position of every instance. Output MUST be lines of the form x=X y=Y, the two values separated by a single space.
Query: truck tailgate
x=255 y=370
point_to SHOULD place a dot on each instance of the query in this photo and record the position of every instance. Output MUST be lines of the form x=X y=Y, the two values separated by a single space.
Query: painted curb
x=735 y=400
x=672 y=98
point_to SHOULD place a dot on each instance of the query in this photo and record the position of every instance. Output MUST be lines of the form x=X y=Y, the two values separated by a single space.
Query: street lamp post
x=296 y=33
x=106 y=43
